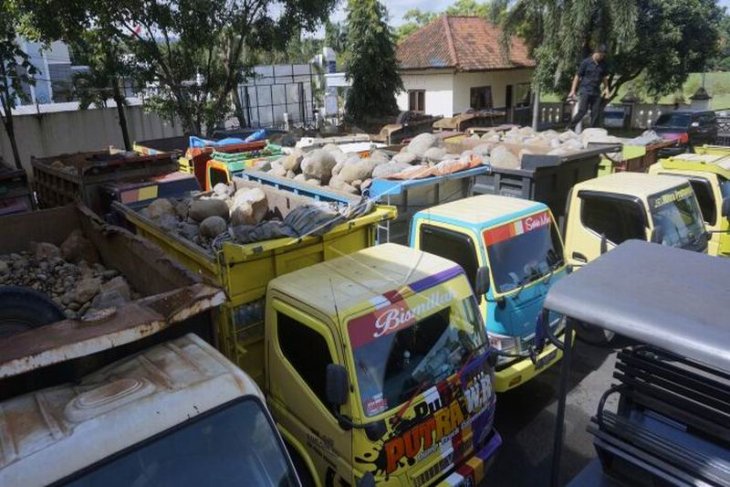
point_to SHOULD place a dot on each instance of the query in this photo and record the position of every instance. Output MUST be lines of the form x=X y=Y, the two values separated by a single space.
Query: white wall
x=439 y=90
x=54 y=133
x=498 y=80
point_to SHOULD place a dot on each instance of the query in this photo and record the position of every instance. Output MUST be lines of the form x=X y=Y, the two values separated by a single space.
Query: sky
x=396 y=8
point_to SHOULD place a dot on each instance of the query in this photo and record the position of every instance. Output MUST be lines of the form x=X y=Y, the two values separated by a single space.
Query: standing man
x=591 y=74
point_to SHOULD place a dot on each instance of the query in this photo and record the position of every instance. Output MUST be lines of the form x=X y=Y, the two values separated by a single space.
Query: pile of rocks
x=507 y=148
x=349 y=172
x=71 y=275
x=202 y=219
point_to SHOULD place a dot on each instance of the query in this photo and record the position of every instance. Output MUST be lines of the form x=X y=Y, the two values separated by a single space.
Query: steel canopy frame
x=670 y=298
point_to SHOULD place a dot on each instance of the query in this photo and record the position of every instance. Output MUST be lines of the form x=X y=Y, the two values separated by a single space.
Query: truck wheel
x=22 y=309
x=594 y=335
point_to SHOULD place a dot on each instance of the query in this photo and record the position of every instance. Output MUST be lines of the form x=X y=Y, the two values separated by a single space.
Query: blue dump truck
x=513 y=245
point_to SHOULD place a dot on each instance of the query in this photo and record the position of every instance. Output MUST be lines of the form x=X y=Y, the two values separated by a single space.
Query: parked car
x=687 y=128
x=614 y=117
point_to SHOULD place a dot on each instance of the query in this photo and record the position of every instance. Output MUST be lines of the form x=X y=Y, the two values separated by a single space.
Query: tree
x=194 y=53
x=372 y=65
x=15 y=70
x=722 y=60
x=413 y=19
x=664 y=40
x=105 y=57
x=469 y=7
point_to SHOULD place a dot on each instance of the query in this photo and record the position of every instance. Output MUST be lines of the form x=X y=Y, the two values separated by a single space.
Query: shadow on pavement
x=526 y=420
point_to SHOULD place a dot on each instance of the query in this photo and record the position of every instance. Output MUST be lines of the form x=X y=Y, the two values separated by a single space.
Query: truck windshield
x=523 y=251
x=679 y=120
x=236 y=445
x=677 y=217
x=414 y=343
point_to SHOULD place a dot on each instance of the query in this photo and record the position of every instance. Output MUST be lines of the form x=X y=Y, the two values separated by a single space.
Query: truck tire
x=594 y=335
x=23 y=309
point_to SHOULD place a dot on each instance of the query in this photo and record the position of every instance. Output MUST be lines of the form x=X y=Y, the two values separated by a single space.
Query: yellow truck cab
x=708 y=171
x=518 y=243
x=605 y=211
x=379 y=370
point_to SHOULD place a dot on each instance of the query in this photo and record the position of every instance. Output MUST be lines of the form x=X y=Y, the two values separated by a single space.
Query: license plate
x=546 y=359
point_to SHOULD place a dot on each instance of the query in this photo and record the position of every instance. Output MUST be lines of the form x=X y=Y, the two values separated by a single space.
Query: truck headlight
x=503 y=343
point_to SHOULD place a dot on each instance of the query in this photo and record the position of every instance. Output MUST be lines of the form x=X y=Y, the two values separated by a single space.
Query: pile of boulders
x=351 y=173
x=203 y=218
x=71 y=275
x=505 y=149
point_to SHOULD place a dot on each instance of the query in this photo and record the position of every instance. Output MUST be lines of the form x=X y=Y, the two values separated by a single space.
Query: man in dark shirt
x=591 y=74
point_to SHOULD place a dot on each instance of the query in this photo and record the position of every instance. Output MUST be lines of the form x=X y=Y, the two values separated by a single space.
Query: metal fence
x=277 y=93
x=723 y=127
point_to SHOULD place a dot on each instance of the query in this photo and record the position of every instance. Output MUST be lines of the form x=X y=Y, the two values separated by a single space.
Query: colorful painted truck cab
x=517 y=243
x=379 y=370
x=708 y=172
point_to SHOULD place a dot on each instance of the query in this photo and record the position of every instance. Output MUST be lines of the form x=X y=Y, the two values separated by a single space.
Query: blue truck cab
x=519 y=244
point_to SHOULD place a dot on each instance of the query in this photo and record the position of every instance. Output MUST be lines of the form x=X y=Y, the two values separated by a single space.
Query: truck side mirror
x=481 y=284
x=337 y=385
x=726 y=207
x=604 y=244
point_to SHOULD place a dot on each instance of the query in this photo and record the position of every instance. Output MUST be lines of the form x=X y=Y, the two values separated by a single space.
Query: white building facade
x=457 y=63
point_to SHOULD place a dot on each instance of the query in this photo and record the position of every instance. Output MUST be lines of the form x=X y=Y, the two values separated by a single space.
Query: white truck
x=178 y=413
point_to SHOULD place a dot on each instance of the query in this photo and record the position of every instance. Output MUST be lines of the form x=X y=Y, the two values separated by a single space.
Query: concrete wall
x=498 y=80
x=643 y=115
x=59 y=132
x=439 y=88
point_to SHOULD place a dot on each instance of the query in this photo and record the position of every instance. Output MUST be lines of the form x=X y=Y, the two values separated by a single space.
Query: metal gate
x=276 y=90
x=723 y=128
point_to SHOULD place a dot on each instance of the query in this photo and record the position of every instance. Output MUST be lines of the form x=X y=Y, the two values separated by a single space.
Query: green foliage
x=723 y=64
x=469 y=7
x=106 y=61
x=413 y=20
x=193 y=53
x=372 y=65
x=15 y=69
x=663 y=39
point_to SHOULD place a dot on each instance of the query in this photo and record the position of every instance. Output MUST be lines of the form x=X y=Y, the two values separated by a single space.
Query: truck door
x=299 y=351
x=615 y=217
x=709 y=206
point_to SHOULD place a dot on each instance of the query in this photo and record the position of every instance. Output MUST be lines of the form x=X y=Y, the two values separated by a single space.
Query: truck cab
x=708 y=172
x=606 y=211
x=517 y=242
x=177 y=413
x=379 y=370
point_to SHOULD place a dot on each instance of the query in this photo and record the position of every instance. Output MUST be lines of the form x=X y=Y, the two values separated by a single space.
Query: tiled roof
x=463 y=43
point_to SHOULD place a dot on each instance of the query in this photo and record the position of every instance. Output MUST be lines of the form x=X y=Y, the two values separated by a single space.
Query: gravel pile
x=71 y=275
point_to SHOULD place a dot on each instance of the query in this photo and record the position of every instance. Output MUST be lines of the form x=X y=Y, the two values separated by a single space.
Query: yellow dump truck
x=708 y=171
x=606 y=211
x=374 y=360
